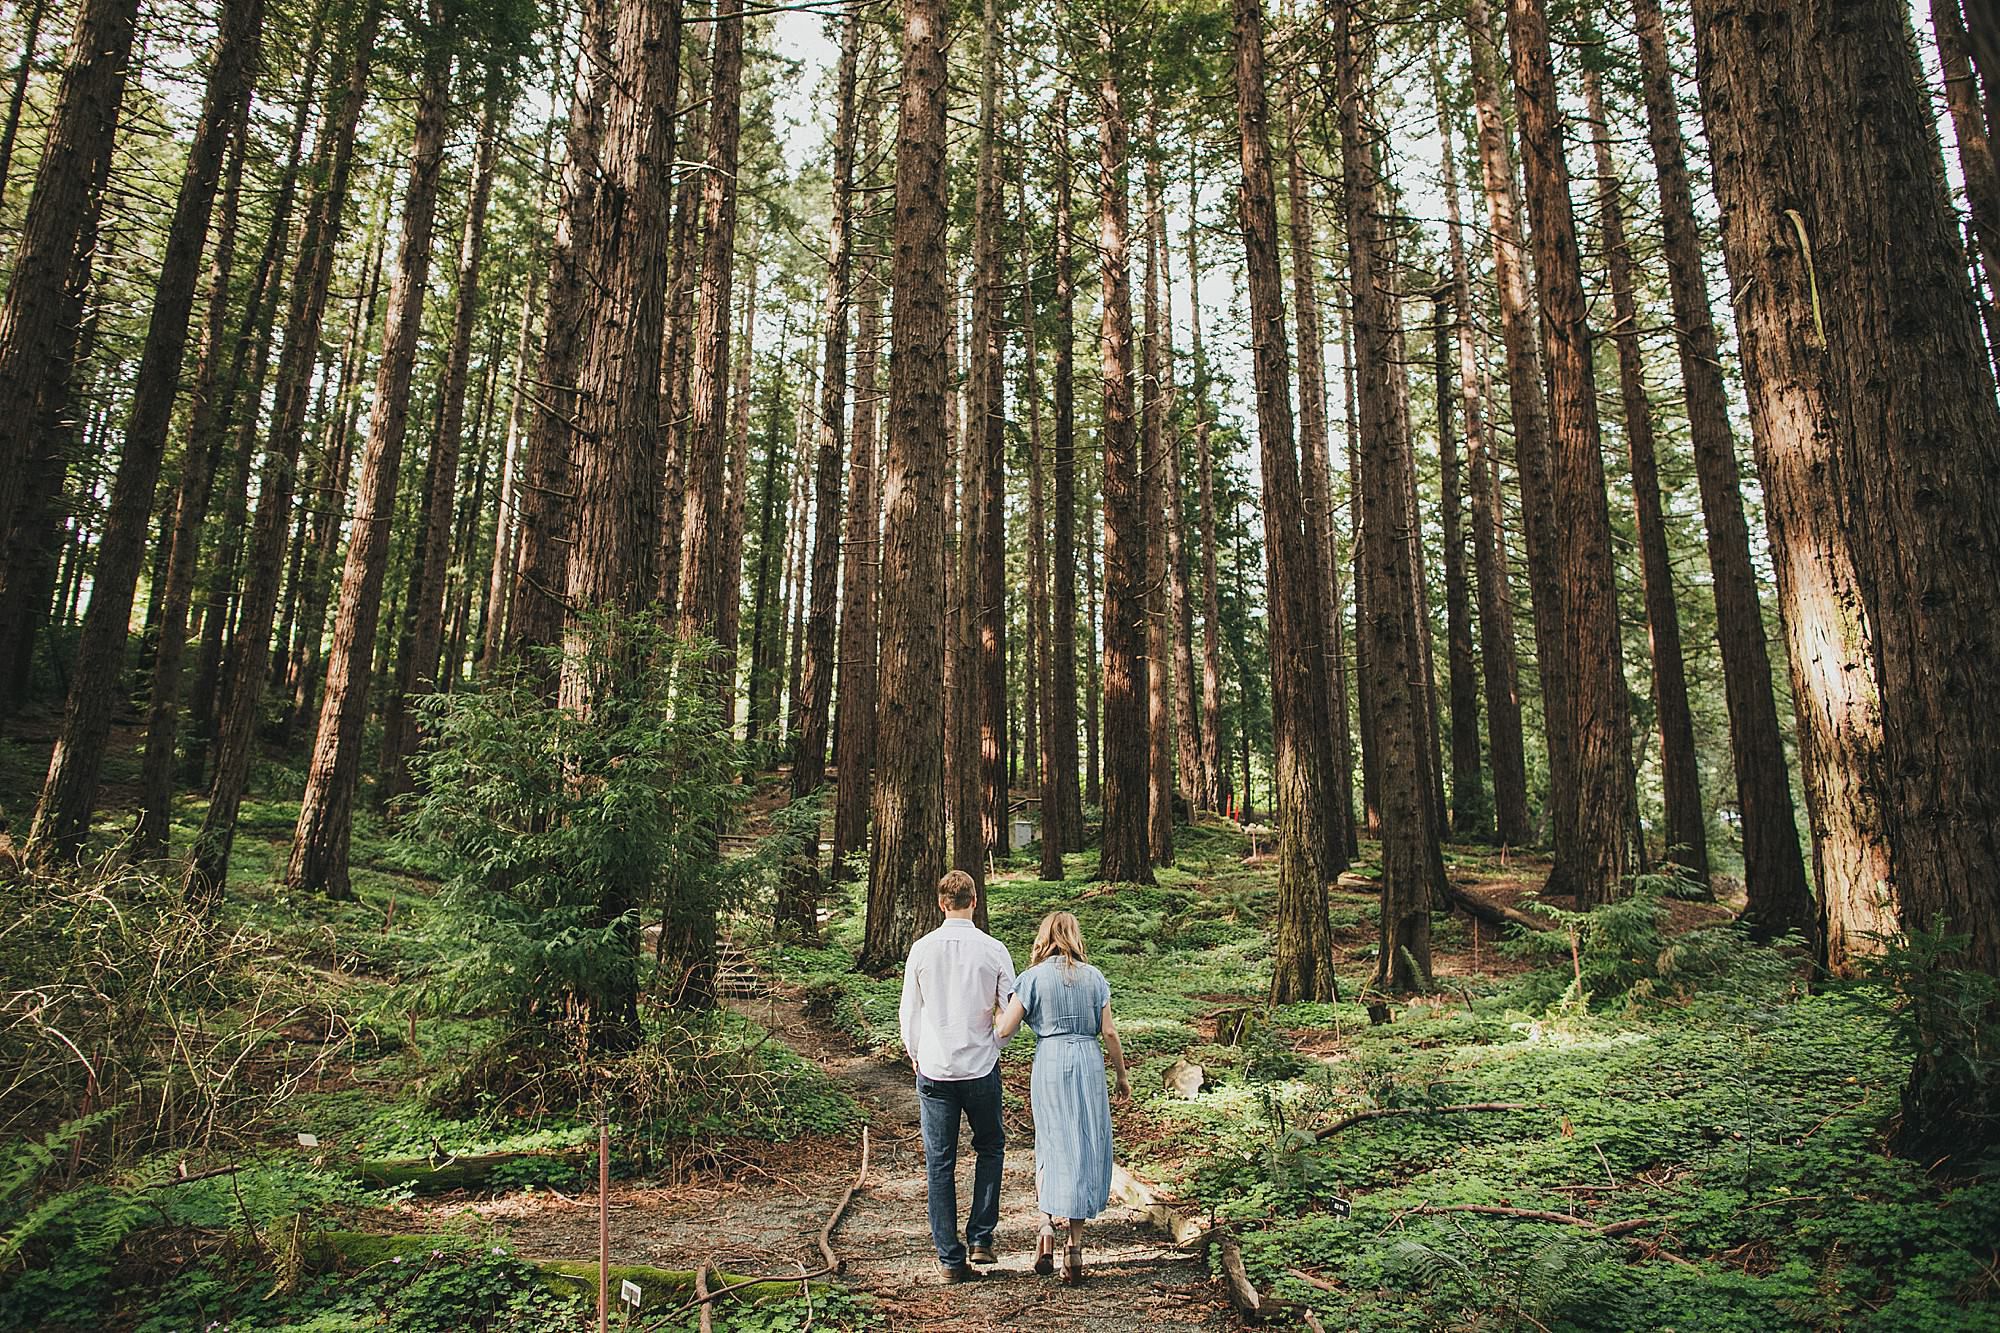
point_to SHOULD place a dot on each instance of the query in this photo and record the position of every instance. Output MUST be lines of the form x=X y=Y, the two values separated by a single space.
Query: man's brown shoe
x=982 y=1254
x=951 y=1274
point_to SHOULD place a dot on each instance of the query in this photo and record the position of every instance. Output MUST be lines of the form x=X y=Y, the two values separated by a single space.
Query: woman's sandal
x=1045 y=1252
x=1072 y=1263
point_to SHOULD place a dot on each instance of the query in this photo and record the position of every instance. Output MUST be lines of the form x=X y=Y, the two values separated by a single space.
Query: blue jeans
x=942 y=1101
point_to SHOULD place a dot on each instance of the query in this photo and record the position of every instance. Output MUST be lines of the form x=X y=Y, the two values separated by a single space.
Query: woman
x=1068 y=1005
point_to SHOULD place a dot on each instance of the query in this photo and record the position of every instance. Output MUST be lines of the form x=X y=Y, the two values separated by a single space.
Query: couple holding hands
x=961 y=1002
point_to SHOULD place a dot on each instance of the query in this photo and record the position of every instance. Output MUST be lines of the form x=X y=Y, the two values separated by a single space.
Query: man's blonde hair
x=1059 y=934
x=956 y=891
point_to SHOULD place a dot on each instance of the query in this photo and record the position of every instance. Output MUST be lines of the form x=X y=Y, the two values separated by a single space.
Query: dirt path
x=761 y=1215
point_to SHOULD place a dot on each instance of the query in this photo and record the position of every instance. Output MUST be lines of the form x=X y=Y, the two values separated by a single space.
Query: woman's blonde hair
x=1059 y=934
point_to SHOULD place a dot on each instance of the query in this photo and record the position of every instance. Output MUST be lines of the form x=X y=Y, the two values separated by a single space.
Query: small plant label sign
x=628 y=1292
x=309 y=1140
x=1340 y=1208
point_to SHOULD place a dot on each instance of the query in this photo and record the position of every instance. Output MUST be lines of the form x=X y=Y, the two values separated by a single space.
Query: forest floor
x=1675 y=1131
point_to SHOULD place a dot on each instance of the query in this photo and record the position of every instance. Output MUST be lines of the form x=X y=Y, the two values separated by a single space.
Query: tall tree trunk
x=190 y=507
x=547 y=512
x=616 y=431
x=854 y=729
x=1302 y=954
x=987 y=440
x=816 y=679
x=337 y=450
x=1920 y=483
x=909 y=851
x=37 y=12
x=678 y=362
x=1469 y=810
x=703 y=567
x=728 y=633
x=1330 y=668
x=1528 y=410
x=1774 y=876
x=1041 y=667
x=495 y=601
x=1497 y=661
x=1126 y=852
x=1687 y=825
x=1180 y=608
x=1364 y=673
x=1152 y=490
x=1212 y=780
x=1093 y=776
x=243 y=692
x=1594 y=860
x=69 y=794
x=1068 y=815
x=326 y=810
x=76 y=153
x=416 y=670
x=1392 y=626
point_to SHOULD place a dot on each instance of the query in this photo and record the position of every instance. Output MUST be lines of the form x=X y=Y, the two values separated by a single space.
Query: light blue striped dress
x=1064 y=1006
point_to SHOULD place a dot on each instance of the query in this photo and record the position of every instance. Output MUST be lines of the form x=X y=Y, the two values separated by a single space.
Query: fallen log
x=433 y=1175
x=1242 y=1291
x=1492 y=913
x=1379 y=1112
x=351 y=1251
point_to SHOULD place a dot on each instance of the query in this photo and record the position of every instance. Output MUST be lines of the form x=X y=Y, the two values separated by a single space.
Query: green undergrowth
x=1693 y=1081
x=317 y=1056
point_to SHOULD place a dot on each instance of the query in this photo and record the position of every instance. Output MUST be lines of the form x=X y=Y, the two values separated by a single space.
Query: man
x=956 y=979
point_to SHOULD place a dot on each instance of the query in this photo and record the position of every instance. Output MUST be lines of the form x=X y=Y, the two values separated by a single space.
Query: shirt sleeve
x=1103 y=992
x=1004 y=983
x=912 y=1006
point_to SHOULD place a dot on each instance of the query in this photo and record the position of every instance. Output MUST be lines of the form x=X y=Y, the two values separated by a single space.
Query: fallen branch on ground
x=1492 y=913
x=832 y=1266
x=1380 y=1111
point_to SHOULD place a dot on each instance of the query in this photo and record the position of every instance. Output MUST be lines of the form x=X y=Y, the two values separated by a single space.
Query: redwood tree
x=326 y=810
x=1302 y=959
x=1126 y=848
x=908 y=853
x=62 y=817
x=1593 y=860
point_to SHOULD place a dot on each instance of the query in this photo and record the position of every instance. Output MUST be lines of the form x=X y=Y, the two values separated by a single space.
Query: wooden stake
x=603 y=1221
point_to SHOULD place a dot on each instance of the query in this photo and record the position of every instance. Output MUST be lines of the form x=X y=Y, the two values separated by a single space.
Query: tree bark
x=1921 y=436
x=1212 y=779
x=1971 y=128
x=1302 y=954
x=1594 y=860
x=1126 y=848
x=616 y=431
x=1836 y=688
x=1780 y=898
x=243 y=692
x=326 y=810
x=1528 y=411
x=703 y=528
x=416 y=669
x=854 y=729
x=1068 y=815
x=987 y=440
x=1392 y=625
x=1497 y=660
x=1316 y=473
x=65 y=204
x=736 y=491
x=816 y=678
x=1153 y=468
x=69 y=794
x=677 y=360
x=1180 y=604
x=1686 y=823
x=535 y=616
x=909 y=850
x=1469 y=809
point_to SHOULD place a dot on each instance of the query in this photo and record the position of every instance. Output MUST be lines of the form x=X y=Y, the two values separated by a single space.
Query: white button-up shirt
x=956 y=977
